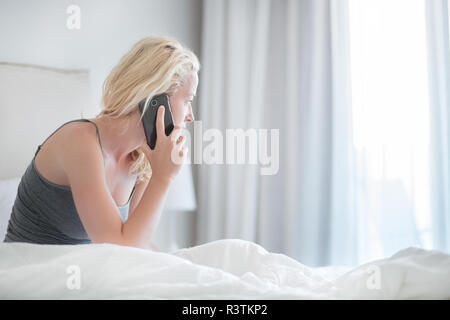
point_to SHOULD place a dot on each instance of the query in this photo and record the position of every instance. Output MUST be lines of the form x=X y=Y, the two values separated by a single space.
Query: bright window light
x=391 y=124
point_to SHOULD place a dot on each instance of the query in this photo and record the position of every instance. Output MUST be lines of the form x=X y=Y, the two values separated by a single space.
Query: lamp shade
x=181 y=194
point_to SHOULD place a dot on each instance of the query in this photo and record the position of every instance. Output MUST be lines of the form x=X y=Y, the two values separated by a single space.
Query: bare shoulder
x=68 y=144
x=78 y=141
x=77 y=130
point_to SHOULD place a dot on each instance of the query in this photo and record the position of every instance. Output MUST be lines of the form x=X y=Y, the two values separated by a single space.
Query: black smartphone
x=149 y=118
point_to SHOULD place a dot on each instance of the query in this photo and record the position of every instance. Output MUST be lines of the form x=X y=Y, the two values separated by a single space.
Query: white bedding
x=224 y=269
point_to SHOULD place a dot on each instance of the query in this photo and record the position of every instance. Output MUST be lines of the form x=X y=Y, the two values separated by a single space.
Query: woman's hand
x=169 y=153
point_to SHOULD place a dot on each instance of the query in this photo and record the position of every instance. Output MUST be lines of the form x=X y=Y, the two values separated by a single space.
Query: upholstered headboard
x=34 y=101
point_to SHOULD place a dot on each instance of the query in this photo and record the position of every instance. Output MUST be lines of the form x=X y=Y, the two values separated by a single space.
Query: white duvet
x=224 y=269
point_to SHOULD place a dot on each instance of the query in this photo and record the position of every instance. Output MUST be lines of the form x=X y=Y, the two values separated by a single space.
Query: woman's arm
x=142 y=223
x=135 y=199
x=144 y=218
x=83 y=164
x=137 y=195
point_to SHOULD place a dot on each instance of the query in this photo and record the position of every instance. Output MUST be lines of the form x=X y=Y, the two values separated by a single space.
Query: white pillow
x=8 y=192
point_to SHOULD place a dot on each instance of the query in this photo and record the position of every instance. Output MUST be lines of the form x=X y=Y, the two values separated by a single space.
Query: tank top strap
x=134 y=188
x=79 y=120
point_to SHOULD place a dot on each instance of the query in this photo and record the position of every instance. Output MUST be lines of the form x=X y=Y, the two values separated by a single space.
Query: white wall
x=35 y=32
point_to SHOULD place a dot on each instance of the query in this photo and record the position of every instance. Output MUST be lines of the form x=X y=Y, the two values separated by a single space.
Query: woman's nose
x=190 y=115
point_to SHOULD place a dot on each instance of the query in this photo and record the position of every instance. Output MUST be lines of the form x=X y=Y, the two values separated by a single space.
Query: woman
x=97 y=180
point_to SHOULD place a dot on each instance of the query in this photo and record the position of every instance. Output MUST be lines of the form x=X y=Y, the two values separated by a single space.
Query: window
x=390 y=124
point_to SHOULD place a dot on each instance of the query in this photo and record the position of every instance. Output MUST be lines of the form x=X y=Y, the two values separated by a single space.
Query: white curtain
x=357 y=137
x=391 y=128
x=439 y=86
x=281 y=65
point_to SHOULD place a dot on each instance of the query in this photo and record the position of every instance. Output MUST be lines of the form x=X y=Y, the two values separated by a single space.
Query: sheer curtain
x=231 y=90
x=280 y=65
x=391 y=125
x=437 y=15
x=400 y=90
x=362 y=119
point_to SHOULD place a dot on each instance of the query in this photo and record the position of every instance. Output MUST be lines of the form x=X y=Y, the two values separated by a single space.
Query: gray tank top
x=45 y=213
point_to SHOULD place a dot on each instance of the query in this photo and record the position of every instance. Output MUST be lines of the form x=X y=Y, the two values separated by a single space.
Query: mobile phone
x=149 y=117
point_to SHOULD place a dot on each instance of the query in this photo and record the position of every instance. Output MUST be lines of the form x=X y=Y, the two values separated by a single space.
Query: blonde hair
x=152 y=66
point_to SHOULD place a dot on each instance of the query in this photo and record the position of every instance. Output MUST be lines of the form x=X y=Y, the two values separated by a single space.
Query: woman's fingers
x=176 y=134
x=181 y=139
x=160 y=127
x=183 y=151
x=160 y=121
x=179 y=152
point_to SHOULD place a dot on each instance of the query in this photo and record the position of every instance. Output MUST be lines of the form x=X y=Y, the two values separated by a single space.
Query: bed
x=223 y=269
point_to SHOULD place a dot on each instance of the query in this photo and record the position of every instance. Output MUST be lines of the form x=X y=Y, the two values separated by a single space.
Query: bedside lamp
x=181 y=195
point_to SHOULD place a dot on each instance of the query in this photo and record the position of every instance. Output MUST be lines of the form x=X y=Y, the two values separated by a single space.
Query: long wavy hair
x=152 y=66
